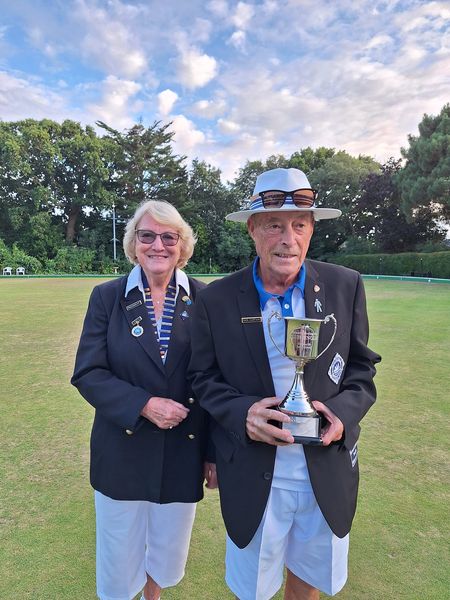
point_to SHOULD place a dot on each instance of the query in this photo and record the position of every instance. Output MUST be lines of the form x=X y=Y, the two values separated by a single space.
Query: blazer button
x=129 y=432
x=191 y=400
x=267 y=476
x=191 y=436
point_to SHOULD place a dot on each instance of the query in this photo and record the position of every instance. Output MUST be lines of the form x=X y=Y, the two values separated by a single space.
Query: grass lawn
x=399 y=542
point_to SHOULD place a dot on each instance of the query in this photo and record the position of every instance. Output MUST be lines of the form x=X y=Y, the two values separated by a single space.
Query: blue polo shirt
x=285 y=300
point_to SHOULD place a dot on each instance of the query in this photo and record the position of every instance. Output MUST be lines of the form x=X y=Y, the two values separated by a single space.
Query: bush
x=15 y=257
x=71 y=259
x=432 y=264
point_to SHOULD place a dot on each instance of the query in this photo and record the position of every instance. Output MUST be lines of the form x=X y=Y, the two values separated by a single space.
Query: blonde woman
x=149 y=441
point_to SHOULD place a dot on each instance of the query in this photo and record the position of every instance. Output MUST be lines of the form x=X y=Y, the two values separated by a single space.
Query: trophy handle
x=329 y=317
x=279 y=317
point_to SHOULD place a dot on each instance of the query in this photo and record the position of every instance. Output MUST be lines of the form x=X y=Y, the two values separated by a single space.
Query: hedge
x=432 y=264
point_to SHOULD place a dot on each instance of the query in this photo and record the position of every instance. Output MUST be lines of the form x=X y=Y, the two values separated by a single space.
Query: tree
x=27 y=158
x=80 y=175
x=381 y=220
x=425 y=178
x=338 y=182
x=208 y=202
x=308 y=159
x=143 y=166
x=51 y=168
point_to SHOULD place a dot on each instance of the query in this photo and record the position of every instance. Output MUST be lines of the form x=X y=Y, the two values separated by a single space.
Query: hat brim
x=320 y=214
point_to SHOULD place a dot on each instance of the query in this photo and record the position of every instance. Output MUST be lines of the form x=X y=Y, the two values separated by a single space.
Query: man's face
x=281 y=241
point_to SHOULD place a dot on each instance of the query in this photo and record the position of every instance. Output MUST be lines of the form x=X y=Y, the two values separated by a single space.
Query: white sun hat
x=282 y=180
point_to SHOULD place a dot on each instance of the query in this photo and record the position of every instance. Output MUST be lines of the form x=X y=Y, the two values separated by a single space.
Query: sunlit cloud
x=113 y=107
x=194 y=69
x=166 y=101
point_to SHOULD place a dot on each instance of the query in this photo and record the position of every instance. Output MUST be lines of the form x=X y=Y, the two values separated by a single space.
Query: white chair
x=7 y=271
x=20 y=271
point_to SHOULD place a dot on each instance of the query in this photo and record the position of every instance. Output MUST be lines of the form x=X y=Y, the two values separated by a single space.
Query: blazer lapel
x=134 y=308
x=179 y=337
x=316 y=308
x=249 y=306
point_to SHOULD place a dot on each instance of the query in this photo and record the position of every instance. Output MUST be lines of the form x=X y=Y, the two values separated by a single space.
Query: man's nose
x=287 y=235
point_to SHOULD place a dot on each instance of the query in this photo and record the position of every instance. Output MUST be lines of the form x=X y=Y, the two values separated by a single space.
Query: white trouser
x=294 y=534
x=137 y=537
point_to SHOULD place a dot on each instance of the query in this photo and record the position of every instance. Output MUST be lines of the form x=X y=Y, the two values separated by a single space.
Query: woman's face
x=156 y=258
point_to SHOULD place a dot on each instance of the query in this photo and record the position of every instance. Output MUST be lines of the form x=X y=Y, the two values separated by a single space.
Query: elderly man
x=284 y=504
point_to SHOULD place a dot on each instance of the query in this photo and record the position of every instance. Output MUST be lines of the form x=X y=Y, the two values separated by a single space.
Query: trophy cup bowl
x=301 y=346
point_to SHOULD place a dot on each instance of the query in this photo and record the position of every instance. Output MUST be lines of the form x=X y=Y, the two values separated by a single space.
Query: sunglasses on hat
x=301 y=198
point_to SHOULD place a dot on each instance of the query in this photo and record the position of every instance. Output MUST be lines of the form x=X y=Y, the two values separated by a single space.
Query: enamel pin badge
x=318 y=305
x=137 y=329
x=186 y=300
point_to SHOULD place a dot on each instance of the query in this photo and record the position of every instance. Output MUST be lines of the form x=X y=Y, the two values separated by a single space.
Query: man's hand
x=258 y=428
x=210 y=475
x=164 y=412
x=334 y=429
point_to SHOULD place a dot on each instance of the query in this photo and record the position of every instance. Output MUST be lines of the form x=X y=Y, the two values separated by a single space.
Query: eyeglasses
x=146 y=236
x=302 y=198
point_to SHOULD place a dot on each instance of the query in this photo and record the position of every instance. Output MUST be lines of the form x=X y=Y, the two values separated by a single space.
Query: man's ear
x=251 y=226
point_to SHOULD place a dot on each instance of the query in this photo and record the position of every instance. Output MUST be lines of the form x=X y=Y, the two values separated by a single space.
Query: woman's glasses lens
x=145 y=236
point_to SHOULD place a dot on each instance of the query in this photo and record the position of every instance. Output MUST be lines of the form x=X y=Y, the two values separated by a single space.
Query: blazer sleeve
x=357 y=391
x=116 y=399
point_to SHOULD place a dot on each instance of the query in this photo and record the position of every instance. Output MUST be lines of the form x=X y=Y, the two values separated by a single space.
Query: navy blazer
x=230 y=371
x=131 y=458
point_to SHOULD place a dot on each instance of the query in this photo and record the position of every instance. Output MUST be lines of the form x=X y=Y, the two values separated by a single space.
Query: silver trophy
x=301 y=346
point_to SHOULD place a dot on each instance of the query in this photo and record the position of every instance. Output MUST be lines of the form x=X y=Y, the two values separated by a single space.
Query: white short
x=135 y=538
x=292 y=533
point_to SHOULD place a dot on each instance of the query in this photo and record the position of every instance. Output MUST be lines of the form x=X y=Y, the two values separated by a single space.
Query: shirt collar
x=264 y=295
x=135 y=281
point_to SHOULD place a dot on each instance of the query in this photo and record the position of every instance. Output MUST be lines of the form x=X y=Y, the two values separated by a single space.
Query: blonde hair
x=165 y=214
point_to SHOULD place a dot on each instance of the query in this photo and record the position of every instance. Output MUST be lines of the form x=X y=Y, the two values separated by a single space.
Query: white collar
x=135 y=280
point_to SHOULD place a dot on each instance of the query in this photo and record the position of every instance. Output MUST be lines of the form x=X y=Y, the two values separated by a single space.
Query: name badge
x=246 y=320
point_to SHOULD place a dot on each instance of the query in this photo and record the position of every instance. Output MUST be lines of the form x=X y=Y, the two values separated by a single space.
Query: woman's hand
x=164 y=412
x=210 y=475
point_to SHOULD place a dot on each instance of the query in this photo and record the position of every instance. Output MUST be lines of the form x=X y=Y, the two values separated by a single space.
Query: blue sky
x=238 y=80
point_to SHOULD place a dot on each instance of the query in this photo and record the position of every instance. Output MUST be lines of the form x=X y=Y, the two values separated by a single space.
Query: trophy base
x=306 y=430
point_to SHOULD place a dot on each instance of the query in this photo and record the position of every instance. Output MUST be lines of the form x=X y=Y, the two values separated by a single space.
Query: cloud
x=242 y=15
x=166 y=100
x=108 y=42
x=218 y=7
x=247 y=79
x=228 y=127
x=186 y=136
x=237 y=39
x=209 y=109
x=21 y=98
x=115 y=106
x=194 y=69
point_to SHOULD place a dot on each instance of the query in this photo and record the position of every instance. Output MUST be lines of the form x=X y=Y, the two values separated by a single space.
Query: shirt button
x=129 y=432
x=191 y=436
x=267 y=476
x=286 y=305
x=191 y=400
